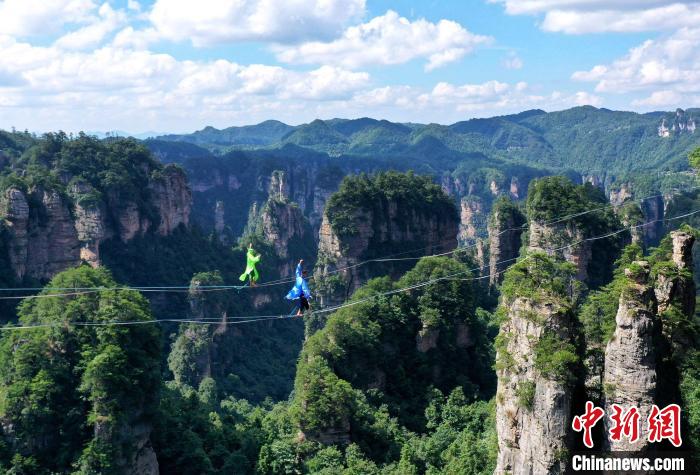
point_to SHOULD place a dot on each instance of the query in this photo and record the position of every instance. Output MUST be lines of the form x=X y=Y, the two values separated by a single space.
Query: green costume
x=250 y=268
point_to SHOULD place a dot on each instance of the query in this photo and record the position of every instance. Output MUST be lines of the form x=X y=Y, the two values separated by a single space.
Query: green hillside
x=586 y=139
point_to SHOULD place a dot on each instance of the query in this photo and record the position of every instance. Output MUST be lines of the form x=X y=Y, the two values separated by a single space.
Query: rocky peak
x=515 y=188
x=278 y=188
x=471 y=218
x=620 y=195
x=51 y=230
x=15 y=213
x=562 y=226
x=679 y=124
x=532 y=409
x=654 y=211
x=220 y=221
x=675 y=285
x=552 y=239
x=593 y=179
x=90 y=222
x=285 y=227
x=629 y=377
x=423 y=233
x=172 y=198
x=505 y=228
x=682 y=249
x=385 y=226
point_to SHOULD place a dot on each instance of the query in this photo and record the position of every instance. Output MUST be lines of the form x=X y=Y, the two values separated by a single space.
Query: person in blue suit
x=300 y=291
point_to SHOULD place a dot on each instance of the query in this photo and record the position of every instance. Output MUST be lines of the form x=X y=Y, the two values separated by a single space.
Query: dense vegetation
x=362 y=195
x=254 y=362
x=588 y=214
x=586 y=139
x=403 y=378
x=401 y=381
x=114 y=169
x=70 y=393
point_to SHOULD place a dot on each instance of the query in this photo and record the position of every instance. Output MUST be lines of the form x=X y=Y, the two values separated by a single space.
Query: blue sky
x=179 y=65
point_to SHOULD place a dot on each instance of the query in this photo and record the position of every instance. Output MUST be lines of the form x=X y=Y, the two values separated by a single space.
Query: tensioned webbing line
x=260 y=318
x=388 y=258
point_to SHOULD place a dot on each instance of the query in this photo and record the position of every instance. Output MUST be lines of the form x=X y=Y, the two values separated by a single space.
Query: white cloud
x=207 y=22
x=95 y=32
x=135 y=39
x=101 y=74
x=122 y=88
x=583 y=98
x=388 y=39
x=668 y=68
x=512 y=61
x=596 y=16
x=660 y=98
x=110 y=83
x=326 y=82
x=39 y=17
x=448 y=102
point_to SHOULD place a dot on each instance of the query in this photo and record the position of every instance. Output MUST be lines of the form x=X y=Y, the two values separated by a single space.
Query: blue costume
x=301 y=288
x=300 y=291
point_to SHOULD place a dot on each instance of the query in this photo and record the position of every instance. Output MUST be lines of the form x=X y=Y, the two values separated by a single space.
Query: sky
x=180 y=65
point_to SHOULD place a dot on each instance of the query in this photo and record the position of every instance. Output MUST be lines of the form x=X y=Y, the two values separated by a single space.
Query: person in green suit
x=251 y=271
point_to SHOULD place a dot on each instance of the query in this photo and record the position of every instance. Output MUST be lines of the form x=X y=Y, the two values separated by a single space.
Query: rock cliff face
x=195 y=347
x=139 y=458
x=534 y=403
x=89 y=222
x=533 y=410
x=48 y=231
x=515 y=191
x=476 y=197
x=219 y=215
x=654 y=210
x=472 y=217
x=285 y=227
x=645 y=337
x=239 y=186
x=630 y=375
x=677 y=286
x=675 y=290
x=505 y=228
x=551 y=238
x=42 y=236
x=15 y=209
x=682 y=123
x=172 y=199
x=633 y=218
x=379 y=229
x=620 y=195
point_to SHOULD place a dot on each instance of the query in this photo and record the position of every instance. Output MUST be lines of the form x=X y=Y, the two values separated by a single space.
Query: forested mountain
x=467 y=300
x=263 y=133
x=475 y=161
x=585 y=139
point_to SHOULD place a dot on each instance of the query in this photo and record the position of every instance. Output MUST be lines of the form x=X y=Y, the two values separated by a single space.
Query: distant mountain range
x=585 y=139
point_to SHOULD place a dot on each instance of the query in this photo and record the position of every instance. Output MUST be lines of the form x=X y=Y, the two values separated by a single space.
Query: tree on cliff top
x=587 y=212
x=72 y=395
x=363 y=193
x=118 y=167
x=376 y=367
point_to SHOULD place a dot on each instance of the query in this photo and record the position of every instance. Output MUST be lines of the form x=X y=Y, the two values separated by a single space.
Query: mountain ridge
x=584 y=138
